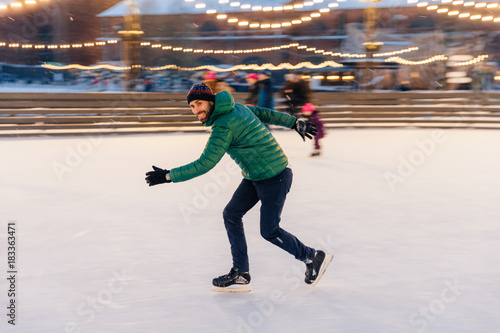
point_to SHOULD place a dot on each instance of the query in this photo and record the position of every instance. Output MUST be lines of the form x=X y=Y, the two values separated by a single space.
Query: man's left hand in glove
x=305 y=129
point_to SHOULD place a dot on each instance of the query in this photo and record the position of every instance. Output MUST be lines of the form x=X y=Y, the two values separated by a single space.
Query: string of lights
x=402 y=61
x=442 y=10
x=199 y=68
x=392 y=53
x=350 y=55
x=247 y=6
x=258 y=67
x=472 y=61
x=270 y=25
x=265 y=49
x=435 y=58
x=17 y=4
x=256 y=50
x=56 y=46
x=457 y=3
x=276 y=25
x=210 y=51
x=264 y=66
x=260 y=8
x=463 y=9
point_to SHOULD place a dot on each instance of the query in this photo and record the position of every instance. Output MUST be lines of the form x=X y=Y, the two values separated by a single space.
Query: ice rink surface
x=411 y=215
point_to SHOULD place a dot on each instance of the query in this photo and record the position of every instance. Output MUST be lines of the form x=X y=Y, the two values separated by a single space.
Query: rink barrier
x=433 y=109
x=31 y=114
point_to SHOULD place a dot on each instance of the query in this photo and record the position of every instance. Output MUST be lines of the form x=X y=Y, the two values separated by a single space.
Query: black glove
x=158 y=176
x=305 y=129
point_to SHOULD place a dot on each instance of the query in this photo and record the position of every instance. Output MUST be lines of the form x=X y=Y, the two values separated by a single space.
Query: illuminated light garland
x=178 y=49
x=74 y=66
x=350 y=55
x=199 y=68
x=58 y=46
x=402 y=61
x=276 y=25
x=466 y=4
x=472 y=61
x=276 y=48
x=268 y=8
x=457 y=3
x=189 y=50
x=256 y=67
x=435 y=58
x=255 y=25
x=387 y=54
x=19 y=4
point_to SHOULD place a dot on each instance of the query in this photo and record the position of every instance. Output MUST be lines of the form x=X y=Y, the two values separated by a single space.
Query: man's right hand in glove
x=158 y=176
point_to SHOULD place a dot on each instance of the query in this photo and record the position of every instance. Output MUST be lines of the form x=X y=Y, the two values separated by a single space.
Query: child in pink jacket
x=312 y=115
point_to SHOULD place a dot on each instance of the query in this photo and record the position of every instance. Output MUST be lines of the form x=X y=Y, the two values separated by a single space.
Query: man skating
x=240 y=131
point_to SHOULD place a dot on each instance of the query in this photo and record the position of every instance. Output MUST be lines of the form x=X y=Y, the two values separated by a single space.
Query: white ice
x=411 y=215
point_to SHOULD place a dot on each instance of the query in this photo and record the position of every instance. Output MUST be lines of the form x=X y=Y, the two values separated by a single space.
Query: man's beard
x=209 y=112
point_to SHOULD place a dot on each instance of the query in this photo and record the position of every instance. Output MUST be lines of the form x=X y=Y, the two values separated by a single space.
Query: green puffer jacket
x=239 y=130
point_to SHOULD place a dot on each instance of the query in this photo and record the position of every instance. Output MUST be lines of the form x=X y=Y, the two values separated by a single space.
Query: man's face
x=201 y=109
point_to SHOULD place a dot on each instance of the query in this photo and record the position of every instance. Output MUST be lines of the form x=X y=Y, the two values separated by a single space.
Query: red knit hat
x=200 y=91
x=252 y=76
x=210 y=76
x=308 y=108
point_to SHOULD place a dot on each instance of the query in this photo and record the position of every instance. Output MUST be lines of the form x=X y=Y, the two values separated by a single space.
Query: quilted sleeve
x=268 y=116
x=216 y=147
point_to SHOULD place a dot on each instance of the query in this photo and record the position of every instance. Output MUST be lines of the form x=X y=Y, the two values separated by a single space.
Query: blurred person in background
x=148 y=84
x=312 y=115
x=296 y=92
x=217 y=84
x=253 y=89
x=265 y=90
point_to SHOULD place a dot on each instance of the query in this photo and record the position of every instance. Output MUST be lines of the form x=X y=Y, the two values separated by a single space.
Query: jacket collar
x=224 y=103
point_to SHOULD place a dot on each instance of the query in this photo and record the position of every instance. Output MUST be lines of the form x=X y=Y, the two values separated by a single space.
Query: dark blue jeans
x=272 y=194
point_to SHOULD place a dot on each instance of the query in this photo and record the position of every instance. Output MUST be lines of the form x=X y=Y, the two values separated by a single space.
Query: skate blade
x=235 y=288
x=326 y=262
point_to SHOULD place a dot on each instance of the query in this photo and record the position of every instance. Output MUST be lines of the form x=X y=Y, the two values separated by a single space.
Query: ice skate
x=317 y=267
x=233 y=282
x=316 y=152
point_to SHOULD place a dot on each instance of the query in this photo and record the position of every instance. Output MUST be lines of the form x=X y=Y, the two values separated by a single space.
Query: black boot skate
x=317 y=267
x=233 y=282
x=316 y=152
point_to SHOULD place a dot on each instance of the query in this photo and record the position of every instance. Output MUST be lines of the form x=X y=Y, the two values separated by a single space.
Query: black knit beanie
x=200 y=91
